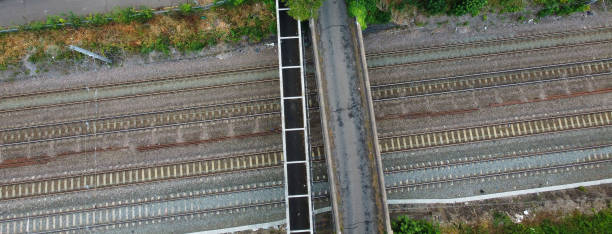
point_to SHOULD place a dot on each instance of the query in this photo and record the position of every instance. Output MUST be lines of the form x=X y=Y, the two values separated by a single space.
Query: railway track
x=139 y=175
x=593 y=161
x=490 y=80
x=495 y=131
x=141 y=121
x=147 y=174
x=489 y=48
x=397 y=168
x=135 y=212
x=167 y=79
x=269 y=106
x=495 y=42
x=93 y=98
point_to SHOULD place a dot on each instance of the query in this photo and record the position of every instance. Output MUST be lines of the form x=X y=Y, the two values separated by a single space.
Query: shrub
x=144 y=15
x=367 y=12
x=507 y=6
x=123 y=16
x=472 y=7
x=73 y=19
x=405 y=225
x=161 y=44
x=185 y=9
x=128 y=15
x=434 y=7
x=562 y=7
x=36 y=26
x=97 y=19
x=55 y=22
x=303 y=9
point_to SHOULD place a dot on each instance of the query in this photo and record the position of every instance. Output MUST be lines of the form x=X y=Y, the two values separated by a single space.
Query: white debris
x=518 y=218
x=270 y=44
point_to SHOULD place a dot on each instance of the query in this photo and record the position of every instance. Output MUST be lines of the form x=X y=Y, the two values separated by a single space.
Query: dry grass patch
x=190 y=31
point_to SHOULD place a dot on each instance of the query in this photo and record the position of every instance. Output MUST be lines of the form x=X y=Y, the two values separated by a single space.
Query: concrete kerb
x=325 y=129
x=368 y=93
x=498 y=195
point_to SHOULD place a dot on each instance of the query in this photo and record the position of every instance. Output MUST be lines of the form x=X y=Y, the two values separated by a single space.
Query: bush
x=434 y=7
x=303 y=9
x=161 y=44
x=97 y=19
x=185 y=9
x=36 y=26
x=55 y=22
x=74 y=20
x=367 y=12
x=128 y=15
x=562 y=7
x=472 y=7
x=405 y=225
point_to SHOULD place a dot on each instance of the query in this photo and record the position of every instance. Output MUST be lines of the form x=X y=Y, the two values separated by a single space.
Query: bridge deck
x=354 y=164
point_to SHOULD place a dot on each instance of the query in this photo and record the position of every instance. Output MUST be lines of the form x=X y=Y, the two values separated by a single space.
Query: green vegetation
x=405 y=225
x=472 y=7
x=303 y=9
x=450 y=7
x=132 y=31
x=507 y=6
x=561 y=7
x=367 y=12
x=544 y=223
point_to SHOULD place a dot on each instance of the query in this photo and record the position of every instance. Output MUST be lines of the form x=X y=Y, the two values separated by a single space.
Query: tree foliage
x=367 y=12
x=405 y=225
x=562 y=7
x=472 y=7
x=434 y=7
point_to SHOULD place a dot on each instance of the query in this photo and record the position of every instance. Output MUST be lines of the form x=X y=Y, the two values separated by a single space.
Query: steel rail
x=275 y=163
x=263 y=115
x=559 y=65
x=504 y=132
x=518 y=51
x=505 y=123
x=494 y=87
x=493 y=159
x=142 y=202
x=504 y=173
x=137 y=95
x=141 y=114
x=493 y=41
x=178 y=215
x=157 y=79
x=254 y=169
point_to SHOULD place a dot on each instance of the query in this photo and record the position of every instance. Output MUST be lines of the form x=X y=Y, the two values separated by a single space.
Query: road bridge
x=349 y=129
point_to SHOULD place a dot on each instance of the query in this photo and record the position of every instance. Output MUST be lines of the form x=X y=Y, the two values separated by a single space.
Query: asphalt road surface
x=358 y=198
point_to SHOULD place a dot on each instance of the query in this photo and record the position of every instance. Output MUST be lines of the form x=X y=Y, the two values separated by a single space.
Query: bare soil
x=550 y=205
